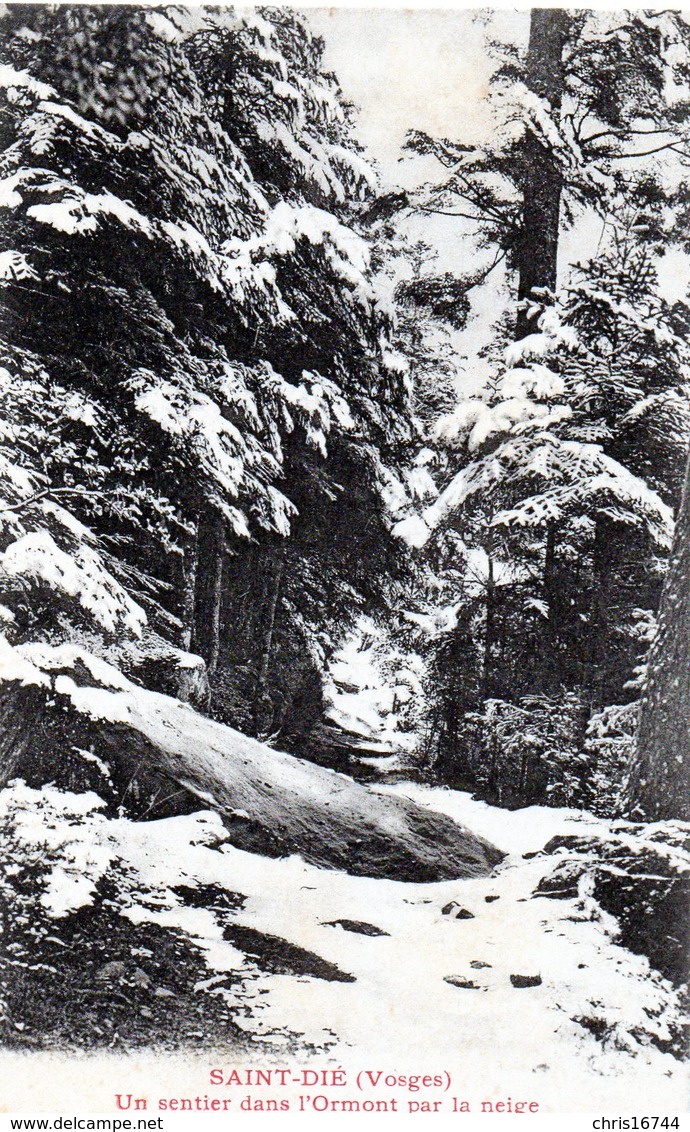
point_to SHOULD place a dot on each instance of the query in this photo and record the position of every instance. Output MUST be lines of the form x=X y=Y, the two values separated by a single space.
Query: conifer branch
x=47 y=492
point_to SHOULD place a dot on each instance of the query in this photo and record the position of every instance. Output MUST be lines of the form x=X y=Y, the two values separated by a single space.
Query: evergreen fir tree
x=570 y=457
x=185 y=284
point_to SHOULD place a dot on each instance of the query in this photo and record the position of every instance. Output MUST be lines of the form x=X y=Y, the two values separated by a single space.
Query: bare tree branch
x=648 y=152
x=49 y=491
x=621 y=134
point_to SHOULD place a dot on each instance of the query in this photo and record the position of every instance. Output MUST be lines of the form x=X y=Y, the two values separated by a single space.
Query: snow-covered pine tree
x=114 y=272
x=288 y=601
x=571 y=461
x=595 y=97
x=191 y=322
x=562 y=432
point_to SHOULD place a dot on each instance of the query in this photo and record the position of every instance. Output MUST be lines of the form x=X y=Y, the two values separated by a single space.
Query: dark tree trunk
x=228 y=62
x=216 y=598
x=263 y=701
x=190 y=564
x=209 y=589
x=659 y=784
x=274 y=580
x=192 y=682
x=551 y=666
x=459 y=678
x=595 y=675
x=489 y=683
x=537 y=255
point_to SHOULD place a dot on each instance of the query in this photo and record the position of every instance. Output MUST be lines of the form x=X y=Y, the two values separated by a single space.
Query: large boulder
x=640 y=874
x=70 y=718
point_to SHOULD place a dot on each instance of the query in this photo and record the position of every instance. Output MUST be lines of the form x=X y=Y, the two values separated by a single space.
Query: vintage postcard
x=344 y=563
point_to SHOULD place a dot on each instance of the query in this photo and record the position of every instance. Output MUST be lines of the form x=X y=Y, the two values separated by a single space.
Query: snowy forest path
x=453 y=958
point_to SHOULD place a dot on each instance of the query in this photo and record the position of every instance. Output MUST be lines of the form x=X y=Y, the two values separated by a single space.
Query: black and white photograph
x=344 y=562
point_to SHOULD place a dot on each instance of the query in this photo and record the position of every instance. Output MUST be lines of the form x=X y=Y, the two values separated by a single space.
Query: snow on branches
x=538 y=456
x=197 y=342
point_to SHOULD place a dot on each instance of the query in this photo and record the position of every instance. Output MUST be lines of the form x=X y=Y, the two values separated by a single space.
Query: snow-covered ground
x=435 y=990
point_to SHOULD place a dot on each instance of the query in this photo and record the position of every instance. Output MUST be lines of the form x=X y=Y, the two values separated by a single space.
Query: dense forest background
x=238 y=422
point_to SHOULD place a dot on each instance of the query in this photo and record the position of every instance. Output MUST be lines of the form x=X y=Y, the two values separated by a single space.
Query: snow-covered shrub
x=528 y=752
x=533 y=751
x=609 y=746
x=560 y=465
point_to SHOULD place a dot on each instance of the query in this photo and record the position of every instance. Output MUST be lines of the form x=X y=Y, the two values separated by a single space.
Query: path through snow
x=401 y=1012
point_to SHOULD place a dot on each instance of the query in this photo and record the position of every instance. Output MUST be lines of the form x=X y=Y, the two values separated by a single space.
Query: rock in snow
x=522 y=981
x=164 y=758
x=639 y=874
x=456 y=911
